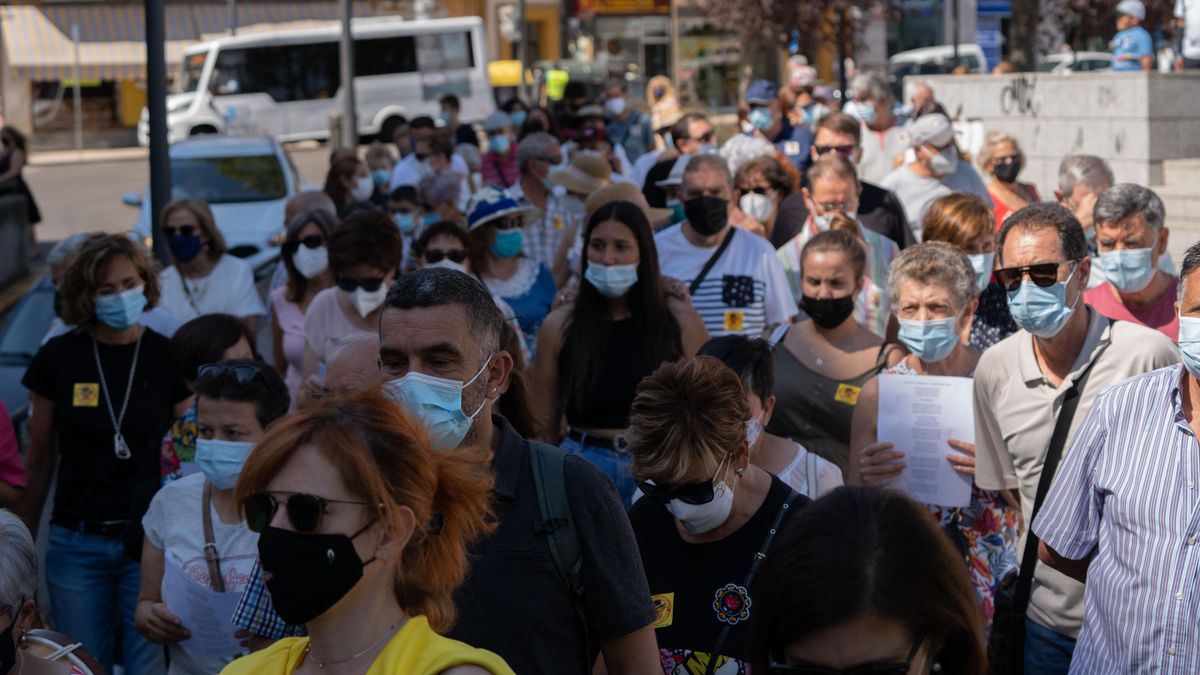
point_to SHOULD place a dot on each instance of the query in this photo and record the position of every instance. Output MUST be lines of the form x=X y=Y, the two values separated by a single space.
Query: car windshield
x=28 y=325
x=228 y=180
x=188 y=78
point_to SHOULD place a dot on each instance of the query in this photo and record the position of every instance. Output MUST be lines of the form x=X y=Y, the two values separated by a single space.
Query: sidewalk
x=86 y=156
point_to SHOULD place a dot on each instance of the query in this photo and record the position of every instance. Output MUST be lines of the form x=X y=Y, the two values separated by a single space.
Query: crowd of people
x=583 y=390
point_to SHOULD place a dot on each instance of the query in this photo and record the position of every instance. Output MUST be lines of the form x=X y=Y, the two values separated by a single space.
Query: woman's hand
x=963 y=461
x=676 y=289
x=158 y=624
x=879 y=463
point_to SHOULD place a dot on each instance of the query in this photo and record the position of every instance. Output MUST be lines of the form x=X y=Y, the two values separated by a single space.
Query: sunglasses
x=1012 y=159
x=243 y=372
x=776 y=665
x=435 y=255
x=843 y=150
x=311 y=241
x=304 y=511
x=1044 y=275
x=553 y=161
x=369 y=285
x=182 y=230
x=510 y=223
x=705 y=138
x=700 y=492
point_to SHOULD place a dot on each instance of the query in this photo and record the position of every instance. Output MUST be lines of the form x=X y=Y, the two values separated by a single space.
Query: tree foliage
x=1083 y=20
x=775 y=20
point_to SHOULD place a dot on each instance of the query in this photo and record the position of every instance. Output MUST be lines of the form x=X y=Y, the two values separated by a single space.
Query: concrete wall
x=1133 y=120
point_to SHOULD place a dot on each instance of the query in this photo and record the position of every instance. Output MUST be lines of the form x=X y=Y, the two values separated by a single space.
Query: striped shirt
x=1127 y=495
x=561 y=214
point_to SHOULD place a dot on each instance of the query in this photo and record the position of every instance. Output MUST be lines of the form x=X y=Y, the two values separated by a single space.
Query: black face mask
x=1007 y=173
x=707 y=215
x=829 y=312
x=306 y=574
x=8 y=649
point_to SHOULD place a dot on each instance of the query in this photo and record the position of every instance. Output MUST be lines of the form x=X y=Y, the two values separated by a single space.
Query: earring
x=740 y=472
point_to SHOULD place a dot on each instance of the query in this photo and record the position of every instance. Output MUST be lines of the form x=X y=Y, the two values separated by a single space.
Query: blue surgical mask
x=677 y=215
x=931 y=341
x=184 y=247
x=428 y=219
x=864 y=112
x=1041 y=311
x=499 y=144
x=982 y=262
x=708 y=149
x=1189 y=344
x=507 y=244
x=381 y=177
x=754 y=431
x=1130 y=270
x=405 y=222
x=518 y=118
x=121 y=310
x=612 y=281
x=438 y=403
x=761 y=118
x=444 y=117
x=222 y=461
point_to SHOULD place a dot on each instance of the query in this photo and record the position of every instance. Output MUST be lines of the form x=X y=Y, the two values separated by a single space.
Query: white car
x=246 y=181
x=1074 y=62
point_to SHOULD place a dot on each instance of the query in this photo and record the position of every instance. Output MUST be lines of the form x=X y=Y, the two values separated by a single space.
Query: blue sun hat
x=490 y=204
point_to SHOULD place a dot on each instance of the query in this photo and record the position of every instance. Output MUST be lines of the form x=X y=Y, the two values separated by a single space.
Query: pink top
x=1160 y=316
x=326 y=324
x=291 y=322
x=12 y=470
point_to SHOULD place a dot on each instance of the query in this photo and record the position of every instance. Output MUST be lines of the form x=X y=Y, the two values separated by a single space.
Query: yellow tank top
x=414 y=650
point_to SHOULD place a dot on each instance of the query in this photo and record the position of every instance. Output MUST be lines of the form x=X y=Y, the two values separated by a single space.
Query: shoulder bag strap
x=210 y=543
x=812 y=475
x=712 y=261
x=554 y=513
x=1062 y=426
x=755 y=564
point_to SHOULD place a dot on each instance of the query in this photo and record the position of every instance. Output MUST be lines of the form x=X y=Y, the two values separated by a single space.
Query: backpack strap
x=555 y=523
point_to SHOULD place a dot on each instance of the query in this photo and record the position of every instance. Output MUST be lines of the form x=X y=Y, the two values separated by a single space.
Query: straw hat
x=626 y=192
x=587 y=173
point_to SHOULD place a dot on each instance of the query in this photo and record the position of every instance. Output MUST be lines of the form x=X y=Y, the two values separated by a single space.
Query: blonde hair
x=988 y=152
x=688 y=413
x=957 y=219
x=204 y=217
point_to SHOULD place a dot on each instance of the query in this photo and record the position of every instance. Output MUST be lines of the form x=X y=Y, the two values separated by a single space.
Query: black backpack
x=556 y=525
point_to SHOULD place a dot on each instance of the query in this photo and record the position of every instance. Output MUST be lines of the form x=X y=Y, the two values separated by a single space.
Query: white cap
x=676 y=175
x=1133 y=8
x=933 y=129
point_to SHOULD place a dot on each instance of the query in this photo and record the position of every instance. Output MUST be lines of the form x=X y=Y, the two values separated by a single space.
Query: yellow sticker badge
x=558 y=222
x=847 y=393
x=734 y=320
x=664 y=609
x=87 y=395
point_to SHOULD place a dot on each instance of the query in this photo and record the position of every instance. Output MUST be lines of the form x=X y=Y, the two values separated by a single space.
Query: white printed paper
x=919 y=414
x=204 y=612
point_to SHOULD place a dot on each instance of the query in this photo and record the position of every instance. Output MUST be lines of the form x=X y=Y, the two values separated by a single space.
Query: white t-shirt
x=1189 y=11
x=745 y=291
x=174 y=524
x=828 y=475
x=879 y=152
x=410 y=170
x=228 y=289
x=916 y=193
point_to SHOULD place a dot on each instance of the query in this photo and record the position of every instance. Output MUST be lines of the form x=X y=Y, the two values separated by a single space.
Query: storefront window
x=709 y=61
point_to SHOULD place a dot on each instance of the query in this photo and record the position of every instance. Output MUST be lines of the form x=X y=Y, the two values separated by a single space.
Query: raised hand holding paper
x=919 y=415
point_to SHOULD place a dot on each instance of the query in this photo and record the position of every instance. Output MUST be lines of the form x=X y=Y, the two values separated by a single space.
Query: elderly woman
x=707 y=513
x=762 y=185
x=863 y=582
x=966 y=223
x=933 y=293
x=1001 y=159
x=441 y=192
x=102 y=399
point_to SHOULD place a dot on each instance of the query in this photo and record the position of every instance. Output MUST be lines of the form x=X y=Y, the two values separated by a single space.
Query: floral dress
x=986 y=533
x=178 y=446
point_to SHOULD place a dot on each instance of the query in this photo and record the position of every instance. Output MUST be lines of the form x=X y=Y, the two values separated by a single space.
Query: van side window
x=385 y=56
x=446 y=51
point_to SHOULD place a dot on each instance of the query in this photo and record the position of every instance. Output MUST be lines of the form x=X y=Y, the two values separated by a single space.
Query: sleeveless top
x=815 y=410
x=414 y=650
x=608 y=397
x=291 y=324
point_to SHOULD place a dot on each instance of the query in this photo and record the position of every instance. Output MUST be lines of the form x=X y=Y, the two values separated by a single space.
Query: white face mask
x=823 y=221
x=758 y=207
x=944 y=162
x=450 y=265
x=311 y=262
x=364 y=187
x=368 y=301
x=701 y=518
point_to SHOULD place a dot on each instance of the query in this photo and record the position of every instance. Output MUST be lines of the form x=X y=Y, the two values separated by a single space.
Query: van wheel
x=203 y=130
x=387 y=131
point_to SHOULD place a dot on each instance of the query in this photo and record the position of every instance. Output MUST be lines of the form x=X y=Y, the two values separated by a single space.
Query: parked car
x=245 y=180
x=937 y=60
x=20 y=340
x=1074 y=62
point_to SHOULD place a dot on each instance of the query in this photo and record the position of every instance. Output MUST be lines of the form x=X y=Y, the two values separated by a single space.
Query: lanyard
x=120 y=447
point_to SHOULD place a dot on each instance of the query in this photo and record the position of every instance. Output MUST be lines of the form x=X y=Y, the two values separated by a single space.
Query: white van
x=937 y=60
x=287 y=83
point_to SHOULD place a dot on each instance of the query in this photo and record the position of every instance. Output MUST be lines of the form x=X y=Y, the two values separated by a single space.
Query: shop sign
x=625 y=6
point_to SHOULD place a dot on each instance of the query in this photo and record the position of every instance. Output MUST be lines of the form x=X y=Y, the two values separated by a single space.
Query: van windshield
x=188 y=79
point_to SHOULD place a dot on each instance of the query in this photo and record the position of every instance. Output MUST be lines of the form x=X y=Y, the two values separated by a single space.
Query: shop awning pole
x=77 y=96
x=156 y=105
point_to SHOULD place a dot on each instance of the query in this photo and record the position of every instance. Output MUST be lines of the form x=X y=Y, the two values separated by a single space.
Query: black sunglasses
x=243 y=372
x=705 y=138
x=844 y=150
x=184 y=230
x=756 y=190
x=1044 y=275
x=369 y=285
x=434 y=255
x=311 y=241
x=700 y=492
x=776 y=665
x=510 y=223
x=304 y=511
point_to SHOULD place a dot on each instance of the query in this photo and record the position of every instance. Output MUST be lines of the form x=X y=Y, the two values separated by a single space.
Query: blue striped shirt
x=1127 y=494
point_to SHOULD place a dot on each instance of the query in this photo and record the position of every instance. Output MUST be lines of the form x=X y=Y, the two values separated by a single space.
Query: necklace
x=120 y=447
x=333 y=662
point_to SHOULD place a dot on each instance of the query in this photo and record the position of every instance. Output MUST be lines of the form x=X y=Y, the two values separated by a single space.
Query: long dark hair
x=865 y=550
x=342 y=168
x=589 y=325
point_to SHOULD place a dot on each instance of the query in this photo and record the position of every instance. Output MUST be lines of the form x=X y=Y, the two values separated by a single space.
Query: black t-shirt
x=465 y=133
x=93 y=483
x=697 y=589
x=512 y=601
x=878 y=209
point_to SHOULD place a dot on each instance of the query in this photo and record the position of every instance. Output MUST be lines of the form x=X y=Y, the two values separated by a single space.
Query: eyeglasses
x=369 y=285
x=700 y=492
x=706 y=137
x=831 y=207
x=553 y=161
x=510 y=223
x=776 y=665
x=1011 y=159
x=244 y=372
x=435 y=255
x=843 y=150
x=1044 y=275
x=183 y=230
x=311 y=241
x=304 y=511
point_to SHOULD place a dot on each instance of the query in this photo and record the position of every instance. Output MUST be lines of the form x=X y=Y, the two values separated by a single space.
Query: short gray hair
x=1125 y=199
x=871 y=84
x=437 y=286
x=18 y=563
x=438 y=188
x=716 y=163
x=1088 y=170
x=934 y=263
x=1191 y=262
x=534 y=146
